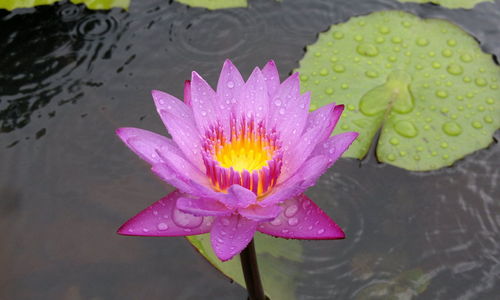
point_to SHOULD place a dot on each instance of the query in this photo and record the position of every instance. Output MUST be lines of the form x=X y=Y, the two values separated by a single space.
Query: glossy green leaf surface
x=451 y=3
x=91 y=4
x=425 y=84
x=277 y=258
x=215 y=4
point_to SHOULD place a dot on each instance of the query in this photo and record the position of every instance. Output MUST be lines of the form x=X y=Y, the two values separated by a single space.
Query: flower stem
x=251 y=272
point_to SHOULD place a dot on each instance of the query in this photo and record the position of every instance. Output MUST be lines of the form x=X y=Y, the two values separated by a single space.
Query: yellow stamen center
x=244 y=153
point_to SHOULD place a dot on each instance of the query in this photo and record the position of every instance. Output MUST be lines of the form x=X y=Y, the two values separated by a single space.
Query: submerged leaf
x=215 y=4
x=277 y=260
x=91 y=4
x=451 y=3
x=426 y=83
x=406 y=285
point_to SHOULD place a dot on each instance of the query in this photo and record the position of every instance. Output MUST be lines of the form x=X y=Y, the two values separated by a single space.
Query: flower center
x=248 y=155
x=244 y=153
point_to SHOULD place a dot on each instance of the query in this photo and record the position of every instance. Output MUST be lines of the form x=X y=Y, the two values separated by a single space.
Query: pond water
x=70 y=76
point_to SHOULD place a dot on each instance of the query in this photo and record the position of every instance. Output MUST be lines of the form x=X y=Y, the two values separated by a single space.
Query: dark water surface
x=70 y=76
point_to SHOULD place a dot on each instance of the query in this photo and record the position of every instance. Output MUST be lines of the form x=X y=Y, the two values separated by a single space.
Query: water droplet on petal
x=162 y=226
x=293 y=221
x=185 y=220
x=291 y=210
x=230 y=84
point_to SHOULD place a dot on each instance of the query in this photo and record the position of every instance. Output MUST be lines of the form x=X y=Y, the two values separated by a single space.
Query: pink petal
x=203 y=101
x=304 y=178
x=320 y=126
x=185 y=184
x=230 y=235
x=301 y=218
x=187 y=92
x=164 y=219
x=327 y=117
x=146 y=143
x=179 y=120
x=288 y=111
x=203 y=207
x=228 y=87
x=183 y=167
x=240 y=196
x=253 y=100
x=271 y=76
x=334 y=147
x=260 y=213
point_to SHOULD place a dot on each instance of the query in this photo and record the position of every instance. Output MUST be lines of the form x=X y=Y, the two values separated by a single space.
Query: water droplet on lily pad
x=432 y=84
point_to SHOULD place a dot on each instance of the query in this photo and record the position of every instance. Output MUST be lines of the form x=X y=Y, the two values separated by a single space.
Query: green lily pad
x=425 y=84
x=215 y=4
x=91 y=4
x=451 y=3
x=278 y=263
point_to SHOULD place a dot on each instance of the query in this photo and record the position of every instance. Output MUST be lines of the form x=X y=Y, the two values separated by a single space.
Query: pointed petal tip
x=271 y=63
x=228 y=62
x=195 y=76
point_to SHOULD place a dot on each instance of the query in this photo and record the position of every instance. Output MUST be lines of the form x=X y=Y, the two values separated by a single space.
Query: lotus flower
x=241 y=158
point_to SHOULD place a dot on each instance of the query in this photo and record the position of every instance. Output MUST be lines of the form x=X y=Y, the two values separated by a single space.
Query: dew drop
x=186 y=220
x=394 y=141
x=406 y=129
x=466 y=58
x=162 y=226
x=339 y=68
x=447 y=53
x=481 y=82
x=422 y=42
x=203 y=113
x=452 y=128
x=391 y=157
x=451 y=42
x=396 y=40
x=282 y=111
x=291 y=210
x=323 y=72
x=441 y=94
x=276 y=222
x=367 y=50
x=384 y=30
x=454 y=69
x=371 y=74
x=338 y=35
x=293 y=221
x=477 y=125
x=321 y=231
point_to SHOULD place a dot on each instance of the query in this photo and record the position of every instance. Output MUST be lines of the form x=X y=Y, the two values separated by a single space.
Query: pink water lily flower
x=241 y=158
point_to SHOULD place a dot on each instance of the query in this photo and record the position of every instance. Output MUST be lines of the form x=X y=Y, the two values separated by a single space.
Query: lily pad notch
x=424 y=83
